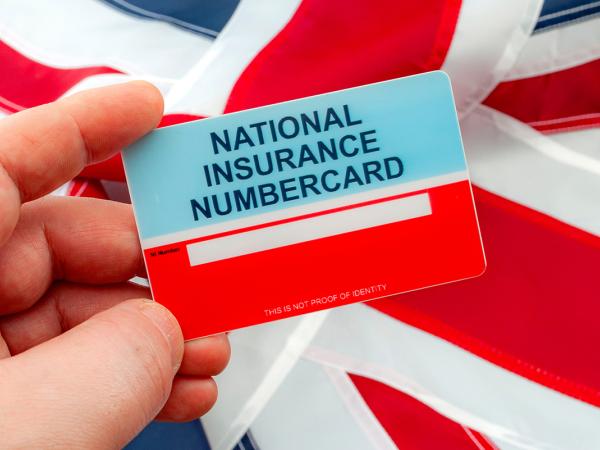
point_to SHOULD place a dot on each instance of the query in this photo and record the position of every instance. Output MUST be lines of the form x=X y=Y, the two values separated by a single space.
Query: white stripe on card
x=311 y=208
x=310 y=229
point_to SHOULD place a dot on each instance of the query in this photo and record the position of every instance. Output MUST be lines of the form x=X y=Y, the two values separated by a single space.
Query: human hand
x=80 y=364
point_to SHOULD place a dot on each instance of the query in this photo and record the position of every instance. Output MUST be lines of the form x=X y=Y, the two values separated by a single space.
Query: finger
x=43 y=147
x=206 y=357
x=63 y=307
x=95 y=386
x=190 y=398
x=66 y=305
x=76 y=239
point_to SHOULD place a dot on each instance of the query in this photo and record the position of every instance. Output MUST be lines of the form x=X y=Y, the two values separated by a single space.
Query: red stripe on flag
x=82 y=187
x=25 y=83
x=412 y=425
x=534 y=311
x=174 y=119
x=334 y=45
x=111 y=169
x=558 y=101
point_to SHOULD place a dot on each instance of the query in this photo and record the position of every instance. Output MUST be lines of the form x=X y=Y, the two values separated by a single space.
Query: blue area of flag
x=247 y=443
x=182 y=436
x=207 y=17
x=166 y=436
x=556 y=13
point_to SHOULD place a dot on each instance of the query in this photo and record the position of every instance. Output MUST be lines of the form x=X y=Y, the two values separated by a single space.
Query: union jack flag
x=509 y=360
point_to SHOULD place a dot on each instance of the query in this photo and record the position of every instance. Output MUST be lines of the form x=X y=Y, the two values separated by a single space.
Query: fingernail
x=167 y=324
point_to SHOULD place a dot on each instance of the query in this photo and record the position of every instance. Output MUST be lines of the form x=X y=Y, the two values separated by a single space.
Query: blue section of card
x=413 y=121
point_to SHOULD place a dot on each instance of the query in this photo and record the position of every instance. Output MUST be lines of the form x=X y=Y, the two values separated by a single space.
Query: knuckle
x=147 y=353
x=222 y=356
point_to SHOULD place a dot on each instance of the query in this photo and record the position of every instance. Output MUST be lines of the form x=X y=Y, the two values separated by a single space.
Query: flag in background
x=508 y=360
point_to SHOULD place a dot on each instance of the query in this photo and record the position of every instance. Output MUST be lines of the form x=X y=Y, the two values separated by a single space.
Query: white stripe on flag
x=558 y=49
x=263 y=357
x=76 y=33
x=307 y=413
x=310 y=229
x=585 y=141
x=206 y=88
x=62 y=190
x=487 y=40
x=513 y=160
x=459 y=385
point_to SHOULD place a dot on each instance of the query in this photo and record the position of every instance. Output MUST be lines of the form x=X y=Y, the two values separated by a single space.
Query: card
x=305 y=205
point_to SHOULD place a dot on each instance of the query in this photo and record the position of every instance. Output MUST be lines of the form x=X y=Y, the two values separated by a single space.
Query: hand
x=80 y=364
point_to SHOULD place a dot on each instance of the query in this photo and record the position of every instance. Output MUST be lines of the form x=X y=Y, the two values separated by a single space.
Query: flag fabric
x=508 y=360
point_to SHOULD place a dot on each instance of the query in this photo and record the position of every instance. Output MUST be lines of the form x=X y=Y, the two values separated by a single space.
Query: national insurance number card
x=305 y=205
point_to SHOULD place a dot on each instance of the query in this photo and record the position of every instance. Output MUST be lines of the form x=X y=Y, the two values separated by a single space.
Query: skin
x=85 y=360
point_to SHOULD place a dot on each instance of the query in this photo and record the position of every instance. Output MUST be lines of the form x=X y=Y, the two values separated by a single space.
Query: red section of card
x=295 y=279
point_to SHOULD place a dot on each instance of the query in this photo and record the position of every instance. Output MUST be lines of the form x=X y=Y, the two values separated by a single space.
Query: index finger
x=43 y=147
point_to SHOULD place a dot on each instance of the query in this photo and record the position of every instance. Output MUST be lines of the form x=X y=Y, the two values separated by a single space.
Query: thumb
x=95 y=386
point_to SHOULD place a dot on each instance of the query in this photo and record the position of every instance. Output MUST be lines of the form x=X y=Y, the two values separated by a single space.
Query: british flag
x=509 y=360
